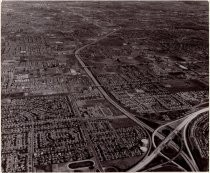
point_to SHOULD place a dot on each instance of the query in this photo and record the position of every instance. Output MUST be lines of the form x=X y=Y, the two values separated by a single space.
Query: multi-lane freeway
x=165 y=142
x=130 y=115
x=174 y=124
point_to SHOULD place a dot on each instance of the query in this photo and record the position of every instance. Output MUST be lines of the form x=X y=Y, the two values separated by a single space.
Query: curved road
x=169 y=159
x=204 y=104
x=168 y=124
x=186 y=143
x=167 y=140
x=128 y=114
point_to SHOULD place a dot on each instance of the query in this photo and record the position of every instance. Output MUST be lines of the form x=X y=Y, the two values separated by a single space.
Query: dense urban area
x=104 y=86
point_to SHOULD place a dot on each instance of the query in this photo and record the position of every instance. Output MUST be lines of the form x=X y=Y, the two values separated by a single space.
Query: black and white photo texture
x=104 y=86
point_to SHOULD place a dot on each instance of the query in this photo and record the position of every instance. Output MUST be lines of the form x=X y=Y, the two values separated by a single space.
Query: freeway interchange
x=170 y=137
x=196 y=111
x=104 y=87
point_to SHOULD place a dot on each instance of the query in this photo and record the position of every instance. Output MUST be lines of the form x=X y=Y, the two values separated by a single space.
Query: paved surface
x=147 y=160
x=128 y=114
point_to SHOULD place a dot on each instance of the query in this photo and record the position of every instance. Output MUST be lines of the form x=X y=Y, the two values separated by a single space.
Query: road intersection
x=187 y=119
x=132 y=116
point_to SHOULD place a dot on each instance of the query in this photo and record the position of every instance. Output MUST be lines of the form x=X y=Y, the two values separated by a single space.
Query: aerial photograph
x=104 y=86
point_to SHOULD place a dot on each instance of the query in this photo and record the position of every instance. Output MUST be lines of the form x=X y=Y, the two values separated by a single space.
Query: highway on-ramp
x=128 y=114
x=186 y=143
x=193 y=109
x=148 y=159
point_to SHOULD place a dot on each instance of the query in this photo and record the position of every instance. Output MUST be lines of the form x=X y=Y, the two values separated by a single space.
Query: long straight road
x=128 y=114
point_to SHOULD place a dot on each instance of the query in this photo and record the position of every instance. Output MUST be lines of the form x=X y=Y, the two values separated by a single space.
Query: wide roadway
x=128 y=114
